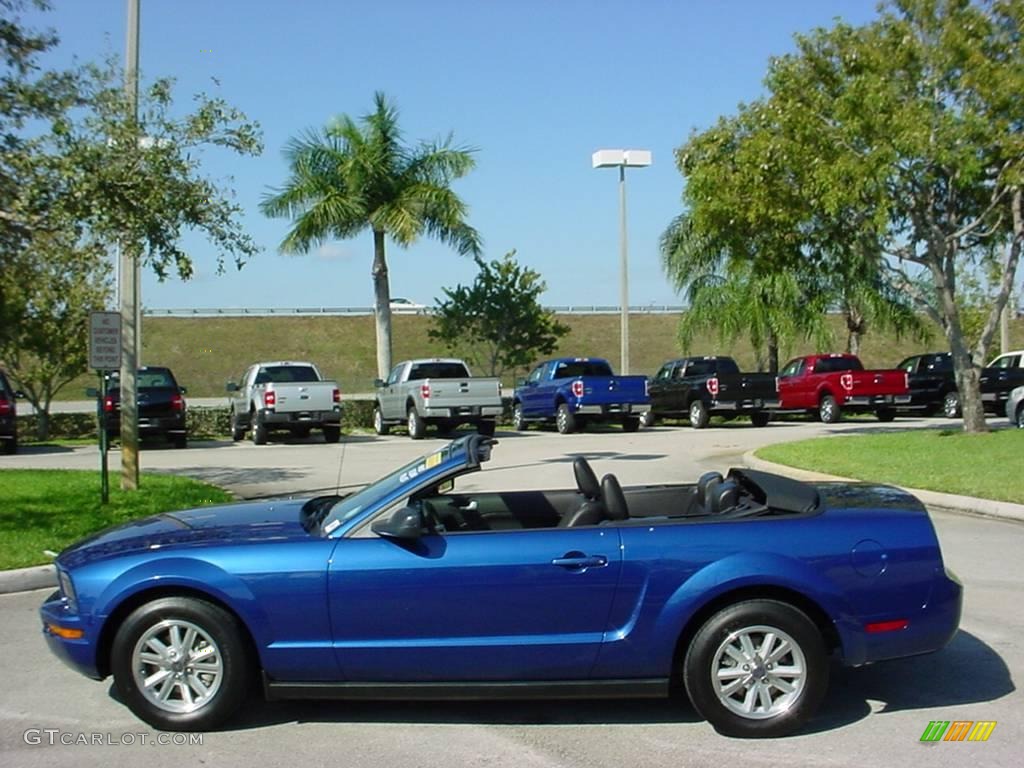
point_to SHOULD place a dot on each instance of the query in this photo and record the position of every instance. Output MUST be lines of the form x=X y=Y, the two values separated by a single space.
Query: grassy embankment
x=929 y=459
x=207 y=352
x=50 y=509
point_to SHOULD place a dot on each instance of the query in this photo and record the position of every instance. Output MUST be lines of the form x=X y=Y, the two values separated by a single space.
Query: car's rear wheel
x=565 y=420
x=181 y=664
x=828 y=410
x=760 y=418
x=648 y=419
x=951 y=405
x=699 y=416
x=179 y=440
x=237 y=433
x=885 y=414
x=1020 y=416
x=757 y=669
x=518 y=420
x=417 y=427
x=259 y=432
x=331 y=434
x=378 y=421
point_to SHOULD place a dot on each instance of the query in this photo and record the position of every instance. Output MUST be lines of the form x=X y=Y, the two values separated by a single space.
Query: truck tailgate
x=758 y=389
x=305 y=396
x=461 y=393
x=608 y=390
x=871 y=383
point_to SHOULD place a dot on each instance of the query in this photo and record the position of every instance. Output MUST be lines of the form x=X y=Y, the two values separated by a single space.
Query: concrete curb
x=968 y=505
x=27 y=579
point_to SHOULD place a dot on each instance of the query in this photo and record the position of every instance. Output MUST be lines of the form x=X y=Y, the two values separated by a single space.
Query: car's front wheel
x=378 y=421
x=1020 y=416
x=181 y=664
x=757 y=669
x=518 y=420
x=237 y=432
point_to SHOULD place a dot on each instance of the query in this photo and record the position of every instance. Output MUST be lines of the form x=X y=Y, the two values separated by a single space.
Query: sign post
x=104 y=356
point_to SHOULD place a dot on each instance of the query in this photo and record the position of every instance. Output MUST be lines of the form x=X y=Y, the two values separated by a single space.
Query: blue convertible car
x=740 y=588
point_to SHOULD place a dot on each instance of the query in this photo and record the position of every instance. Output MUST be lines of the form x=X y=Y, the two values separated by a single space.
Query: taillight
x=906 y=380
x=336 y=397
x=269 y=399
x=5 y=406
x=647 y=388
x=712 y=385
x=177 y=402
x=108 y=404
x=425 y=390
x=577 y=388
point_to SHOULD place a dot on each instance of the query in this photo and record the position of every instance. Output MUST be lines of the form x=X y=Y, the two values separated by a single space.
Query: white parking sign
x=105 y=341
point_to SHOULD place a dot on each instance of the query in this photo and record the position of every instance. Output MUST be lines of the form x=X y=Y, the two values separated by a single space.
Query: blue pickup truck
x=573 y=391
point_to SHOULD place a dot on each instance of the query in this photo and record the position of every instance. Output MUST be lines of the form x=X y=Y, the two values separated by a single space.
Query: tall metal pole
x=129 y=269
x=623 y=275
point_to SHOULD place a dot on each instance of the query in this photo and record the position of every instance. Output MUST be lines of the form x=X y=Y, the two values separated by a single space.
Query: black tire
x=1019 y=421
x=885 y=414
x=630 y=423
x=699 y=416
x=648 y=419
x=179 y=440
x=417 y=427
x=331 y=433
x=519 y=423
x=259 y=432
x=487 y=428
x=10 y=446
x=231 y=668
x=236 y=432
x=378 y=421
x=565 y=420
x=828 y=410
x=951 y=405
x=706 y=659
x=760 y=418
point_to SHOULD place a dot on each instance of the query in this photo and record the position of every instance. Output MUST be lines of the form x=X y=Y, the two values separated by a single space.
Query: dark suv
x=8 y=416
x=162 y=409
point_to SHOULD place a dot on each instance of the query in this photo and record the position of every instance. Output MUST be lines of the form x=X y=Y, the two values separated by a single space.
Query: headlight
x=68 y=589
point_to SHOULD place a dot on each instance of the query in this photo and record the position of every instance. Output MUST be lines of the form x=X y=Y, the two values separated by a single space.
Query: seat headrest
x=586 y=480
x=614 y=498
x=725 y=497
x=710 y=493
x=702 y=485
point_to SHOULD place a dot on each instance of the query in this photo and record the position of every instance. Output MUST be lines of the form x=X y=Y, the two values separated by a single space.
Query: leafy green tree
x=353 y=176
x=499 y=318
x=61 y=281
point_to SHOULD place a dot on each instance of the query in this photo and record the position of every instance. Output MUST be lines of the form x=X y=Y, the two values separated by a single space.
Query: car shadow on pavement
x=228 y=477
x=967 y=671
x=40 y=449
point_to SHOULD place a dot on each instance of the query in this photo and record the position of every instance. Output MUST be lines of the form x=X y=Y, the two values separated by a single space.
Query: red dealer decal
x=846 y=381
x=713 y=386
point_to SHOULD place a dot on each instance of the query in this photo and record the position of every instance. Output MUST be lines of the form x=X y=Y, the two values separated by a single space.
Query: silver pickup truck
x=440 y=392
x=284 y=396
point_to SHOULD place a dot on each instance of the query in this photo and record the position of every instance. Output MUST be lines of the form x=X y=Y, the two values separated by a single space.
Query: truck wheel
x=951 y=405
x=1020 y=416
x=236 y=432
x=757 y=669
x=885 y=414
x=378 y=421
x=331 y=433
x=760 y=418
x=518 y=420
x=565 y=421
x=486 y=428
x=178 y=441
x=417 y=428
x=259 y=432
x=828 y=410
x=699 y=416
x=11 y=446
x=630 y=423
x=648 y=419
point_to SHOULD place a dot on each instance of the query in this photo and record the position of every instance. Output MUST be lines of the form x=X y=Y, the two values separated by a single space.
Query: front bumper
x=78 y=654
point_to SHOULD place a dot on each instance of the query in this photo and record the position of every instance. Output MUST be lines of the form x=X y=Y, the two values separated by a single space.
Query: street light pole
x=622 y=159
x=129 y=293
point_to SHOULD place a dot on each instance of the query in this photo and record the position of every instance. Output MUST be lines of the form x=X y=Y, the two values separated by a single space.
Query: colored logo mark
x=958 y=730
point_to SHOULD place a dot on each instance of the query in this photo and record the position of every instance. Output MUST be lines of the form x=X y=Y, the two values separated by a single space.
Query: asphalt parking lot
x=872 y=715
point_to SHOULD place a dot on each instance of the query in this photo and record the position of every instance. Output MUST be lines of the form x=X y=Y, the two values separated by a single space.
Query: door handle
x=575 y=561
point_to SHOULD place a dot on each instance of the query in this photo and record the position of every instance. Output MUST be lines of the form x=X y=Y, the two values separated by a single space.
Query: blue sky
x=535 y=85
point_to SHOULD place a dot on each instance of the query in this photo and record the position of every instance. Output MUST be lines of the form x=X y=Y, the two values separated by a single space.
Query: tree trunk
x=382 y=305
x=854 y=330
x=773 y=354
x=42 y=424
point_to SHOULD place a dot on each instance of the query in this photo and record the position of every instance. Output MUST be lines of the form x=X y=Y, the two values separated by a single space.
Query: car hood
x=243 y=522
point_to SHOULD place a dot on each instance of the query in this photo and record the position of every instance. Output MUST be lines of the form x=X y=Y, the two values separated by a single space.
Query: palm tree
x=352 y=176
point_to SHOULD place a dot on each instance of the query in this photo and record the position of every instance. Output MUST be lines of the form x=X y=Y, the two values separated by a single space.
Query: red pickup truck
x=827 y=384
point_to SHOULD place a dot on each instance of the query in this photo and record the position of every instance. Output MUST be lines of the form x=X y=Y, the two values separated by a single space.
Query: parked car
x=1015 y=407
x=698 y=388
x=438 y=392
x=739 y=588
x=8 y=416
x=933 y=384
x=575 y=391
x=160 y=401
x=826 y=385
x=403 y=306
x=284 y=396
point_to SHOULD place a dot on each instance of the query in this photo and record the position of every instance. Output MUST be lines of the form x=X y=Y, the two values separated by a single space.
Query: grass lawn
x=935 y=460
x=50 y=509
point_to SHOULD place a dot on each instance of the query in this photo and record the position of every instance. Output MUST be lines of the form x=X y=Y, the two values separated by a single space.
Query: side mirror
x=405 y=524
x=183 y=390
x=447 y=486
x=378 y=383
x=231 y=387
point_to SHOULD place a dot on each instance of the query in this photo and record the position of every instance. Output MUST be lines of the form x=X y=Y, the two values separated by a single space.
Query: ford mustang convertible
x=740 y=589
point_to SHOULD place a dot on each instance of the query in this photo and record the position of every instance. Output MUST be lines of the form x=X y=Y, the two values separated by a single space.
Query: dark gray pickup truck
x=697 y=388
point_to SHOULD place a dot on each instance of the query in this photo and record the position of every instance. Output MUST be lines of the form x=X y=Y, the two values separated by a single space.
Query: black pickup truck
x=698 y=388
x=933 y=385
x=8 y=416
x=161 y=405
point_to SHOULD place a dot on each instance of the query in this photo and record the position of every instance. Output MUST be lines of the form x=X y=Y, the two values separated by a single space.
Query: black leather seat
x=592 y=510
x=614 y=498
